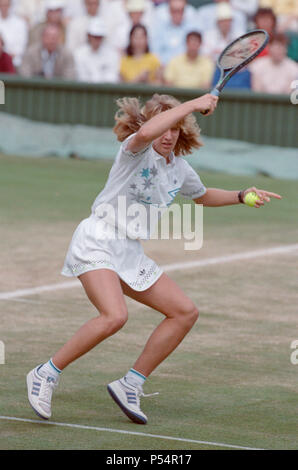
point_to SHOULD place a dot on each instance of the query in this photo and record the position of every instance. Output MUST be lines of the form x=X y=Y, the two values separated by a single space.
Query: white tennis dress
x=110 y=237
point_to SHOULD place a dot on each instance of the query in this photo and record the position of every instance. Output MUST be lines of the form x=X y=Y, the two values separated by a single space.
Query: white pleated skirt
x=89 y=251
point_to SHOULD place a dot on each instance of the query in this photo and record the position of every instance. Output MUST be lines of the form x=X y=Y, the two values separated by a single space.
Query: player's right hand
x=206 y=104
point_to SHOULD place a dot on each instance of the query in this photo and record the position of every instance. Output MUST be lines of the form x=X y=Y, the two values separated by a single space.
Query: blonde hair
x=131 y=115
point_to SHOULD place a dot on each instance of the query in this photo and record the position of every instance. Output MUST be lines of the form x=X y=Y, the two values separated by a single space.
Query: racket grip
x=214 y=92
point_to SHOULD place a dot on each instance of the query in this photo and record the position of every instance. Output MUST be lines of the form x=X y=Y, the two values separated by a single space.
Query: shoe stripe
x=35 y=389
x=37 y=384
x=135 y=417
x=35 y=393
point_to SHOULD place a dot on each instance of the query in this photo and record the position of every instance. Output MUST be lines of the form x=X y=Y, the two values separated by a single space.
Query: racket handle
x=214 y=92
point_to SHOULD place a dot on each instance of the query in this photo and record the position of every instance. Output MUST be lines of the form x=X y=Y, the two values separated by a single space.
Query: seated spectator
x=276 y=72
x=207 y=18
x=54 y=16
x=49 y=59
x=286 y=12
x=139 y=65
x=217 y=39
x=248 y=7
x=96 y=61
x=135 y=12
x=172 y=22
x=265 y=19
x=241 y=80
x=14 y=31
x=190 y=70
x=30 y=10
x=6 y=64
x=110 y=13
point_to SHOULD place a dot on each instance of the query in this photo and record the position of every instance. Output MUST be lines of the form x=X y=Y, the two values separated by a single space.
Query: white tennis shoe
x=127 y=398
x=40 y=391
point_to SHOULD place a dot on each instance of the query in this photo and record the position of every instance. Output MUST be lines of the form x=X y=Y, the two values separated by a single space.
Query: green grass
x=231 y=380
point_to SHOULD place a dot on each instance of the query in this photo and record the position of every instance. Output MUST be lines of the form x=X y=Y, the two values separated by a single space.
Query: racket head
x=241 y=52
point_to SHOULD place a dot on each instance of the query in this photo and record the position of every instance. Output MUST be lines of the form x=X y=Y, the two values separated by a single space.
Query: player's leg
x=181 y=314
x=166 y=297
x=104 y=291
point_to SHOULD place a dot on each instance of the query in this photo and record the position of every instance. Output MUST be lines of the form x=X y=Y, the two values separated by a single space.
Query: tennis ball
x=251 y=198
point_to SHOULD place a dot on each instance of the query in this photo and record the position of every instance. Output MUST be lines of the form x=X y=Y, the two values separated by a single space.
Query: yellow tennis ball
x=251 y=198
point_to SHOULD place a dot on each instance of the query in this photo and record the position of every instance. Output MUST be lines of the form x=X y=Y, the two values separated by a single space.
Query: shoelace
x=148 y=394
x=46 y=391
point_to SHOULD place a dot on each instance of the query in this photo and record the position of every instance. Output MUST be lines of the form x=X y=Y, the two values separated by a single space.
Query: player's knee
x=116 y=322
x=188 y=314
x=192 y=315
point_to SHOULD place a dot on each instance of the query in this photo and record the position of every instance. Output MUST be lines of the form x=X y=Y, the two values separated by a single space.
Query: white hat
x=96 y=27
x=54 y=4
x=135 y=5
x=224 y=11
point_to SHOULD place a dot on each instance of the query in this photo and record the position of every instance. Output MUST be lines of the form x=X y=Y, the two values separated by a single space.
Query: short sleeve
x=192 y=186
x=127 y=153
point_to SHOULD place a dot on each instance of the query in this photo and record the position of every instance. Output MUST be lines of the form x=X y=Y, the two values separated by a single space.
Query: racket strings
x=241 y=50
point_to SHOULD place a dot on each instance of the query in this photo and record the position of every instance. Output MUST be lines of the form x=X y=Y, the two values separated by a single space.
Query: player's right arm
x=159 y=124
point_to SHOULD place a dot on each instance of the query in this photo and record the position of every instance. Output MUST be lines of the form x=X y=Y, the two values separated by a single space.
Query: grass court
x=231 y=382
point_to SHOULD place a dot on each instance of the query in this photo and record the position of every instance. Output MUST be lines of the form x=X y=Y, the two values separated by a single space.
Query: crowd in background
x=171 y=43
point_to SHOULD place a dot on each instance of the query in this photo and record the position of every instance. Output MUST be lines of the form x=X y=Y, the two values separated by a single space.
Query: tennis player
x=149 y=170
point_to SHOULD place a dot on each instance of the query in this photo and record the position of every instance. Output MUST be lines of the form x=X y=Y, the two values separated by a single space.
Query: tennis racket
x=237 y=55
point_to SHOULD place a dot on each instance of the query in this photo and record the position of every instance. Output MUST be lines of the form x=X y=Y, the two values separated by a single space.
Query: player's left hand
x=264 y=196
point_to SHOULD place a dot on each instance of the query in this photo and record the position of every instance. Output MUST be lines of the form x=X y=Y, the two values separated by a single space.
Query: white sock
x=135 y=378
x=49 y=370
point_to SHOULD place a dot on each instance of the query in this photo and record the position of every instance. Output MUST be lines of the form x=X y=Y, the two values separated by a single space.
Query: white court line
x=131 y=433
x=284 y=249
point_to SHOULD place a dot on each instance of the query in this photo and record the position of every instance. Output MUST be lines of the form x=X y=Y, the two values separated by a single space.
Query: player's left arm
x=220 y=197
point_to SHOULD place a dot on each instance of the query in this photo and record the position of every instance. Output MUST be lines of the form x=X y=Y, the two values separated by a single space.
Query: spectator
x=190 y=69
x=207 y=18
x=111 y=14
x=215 y=40
x=171 y=24
x=54 y=16
x=49 y=59
x=139 y=65
x=286 y=12
x=6 y=64
x=14 y=31
x=96 y=61
x=276 y=72
x=265 y=19
x=135 y=12
x=30 y=10
x=248 y=7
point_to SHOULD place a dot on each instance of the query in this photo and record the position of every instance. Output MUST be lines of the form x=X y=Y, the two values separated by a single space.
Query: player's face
x=165 y=144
